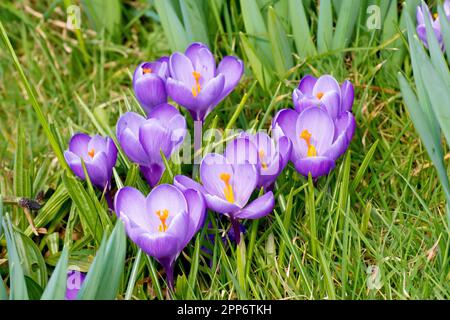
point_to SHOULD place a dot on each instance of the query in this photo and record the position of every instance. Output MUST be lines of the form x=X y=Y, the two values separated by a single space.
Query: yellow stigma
x=91 y=153
x=306 y=135
x=163 y=217
x=146 y=70
x=261 y=157
x=319 y=95
x=196 y=89
x=435 y=16
x=228 y=189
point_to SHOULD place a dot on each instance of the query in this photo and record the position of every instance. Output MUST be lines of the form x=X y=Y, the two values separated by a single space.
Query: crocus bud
x=99 y=155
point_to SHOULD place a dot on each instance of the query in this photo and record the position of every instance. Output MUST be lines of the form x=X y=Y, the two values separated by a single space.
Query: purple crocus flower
x=269 y=155
x=162 y=223
x=149 y=83
x=324 y=92
x=75 y=280
x=196 y=84
x=317 y=139
x=227 y=187
x=99 y=155
x=142 y=139
x=421 y=27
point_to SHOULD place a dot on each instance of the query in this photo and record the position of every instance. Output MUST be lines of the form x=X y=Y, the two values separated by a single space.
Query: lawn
x=374 y=227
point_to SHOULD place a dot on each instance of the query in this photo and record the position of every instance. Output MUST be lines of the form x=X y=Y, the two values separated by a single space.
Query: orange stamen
x=91 y=153
x=163 y=217
x=196 y=89
x=261 y=157
x=228 y=190
x=146 y=70
x=320 y=95
x=306 y=135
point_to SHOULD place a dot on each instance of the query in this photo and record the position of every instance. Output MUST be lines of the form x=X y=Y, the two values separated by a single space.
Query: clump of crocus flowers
x=238 y=183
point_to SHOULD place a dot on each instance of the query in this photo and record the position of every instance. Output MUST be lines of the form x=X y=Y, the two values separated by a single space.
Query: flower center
x=163 y=217
x=306 y=135
x=228 y=189
x=91 y=153
x=146 y=70
x=435 y=16
x=196 y=89
x=261 y=157
x=319 y=95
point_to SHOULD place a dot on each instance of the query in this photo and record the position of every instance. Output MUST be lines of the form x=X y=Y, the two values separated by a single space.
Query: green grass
x=382 y=206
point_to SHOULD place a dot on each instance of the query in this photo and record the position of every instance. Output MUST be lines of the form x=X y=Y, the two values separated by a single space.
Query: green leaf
x=256 y=30
x=17 y=285
x=50 y=209
x=325 y=27
x=300 y=29
x=19 y=163
x=345 y=26
x=172 y=25
x=34 y=289
x=194 y=21
x=56 y=287
x=281 y=47
x=432 y=145
x=89 y=216
x=104 y=16
x=103 y=279
x=33 y=263
x=259 y=68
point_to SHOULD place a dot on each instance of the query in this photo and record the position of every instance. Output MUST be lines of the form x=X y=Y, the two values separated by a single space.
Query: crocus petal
x=240 y=151
x=155 y=138
x=332 y=102
x=307 y=84
x=158 y=245
x=184 y=183
x=345 y=128
x=232 y=68
x=317 y=166
x=319 y=124
x=74 y=163
x=211 y=92
x=285 y=149
x=326 y=83
x=170 y=117
x=220 y=205
x=347 y=96
x=97 y=143
x=182 y=94
x=111 y=152
x=244 y=182
x=98 y=170
x=197 y=210
x=286 y=120
x=165 y=197
x=212 y=167
x=152 y=173
x=181 y=69
x=202 y=60
x=128 y=135
x=131 y=203
x=79 y=145
x=258 y=208
x=150 y=91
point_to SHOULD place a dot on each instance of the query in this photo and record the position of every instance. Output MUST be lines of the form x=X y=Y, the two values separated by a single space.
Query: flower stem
x=109 y=200
x=237 y=232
